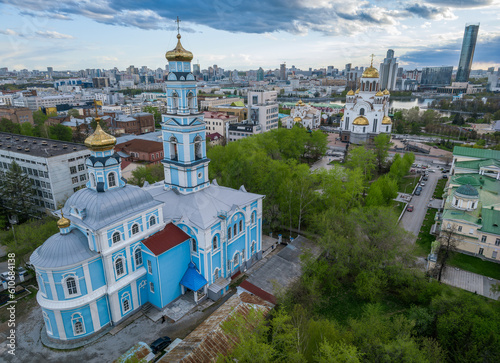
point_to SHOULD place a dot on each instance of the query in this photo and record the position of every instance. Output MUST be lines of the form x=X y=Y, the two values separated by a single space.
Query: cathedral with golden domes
x=366 y=110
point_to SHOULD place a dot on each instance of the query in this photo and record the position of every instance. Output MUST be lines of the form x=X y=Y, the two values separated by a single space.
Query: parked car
x=4 y=276
x=409 y=208
x=435 y=147
x=417 y=192
x=425 y=178
x=422 y=184
x=445 y=176
x=159 y=344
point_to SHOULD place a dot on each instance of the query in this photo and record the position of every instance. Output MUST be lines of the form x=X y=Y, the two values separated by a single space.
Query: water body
x=422 y=103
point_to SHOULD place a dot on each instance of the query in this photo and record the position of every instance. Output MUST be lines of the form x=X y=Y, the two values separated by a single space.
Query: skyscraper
x=467 y=53
x=388 y=71
x=283 y=72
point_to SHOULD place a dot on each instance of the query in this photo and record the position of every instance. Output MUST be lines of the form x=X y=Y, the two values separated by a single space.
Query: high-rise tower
x=185 y=162
x=388 y=71
x=467 y=53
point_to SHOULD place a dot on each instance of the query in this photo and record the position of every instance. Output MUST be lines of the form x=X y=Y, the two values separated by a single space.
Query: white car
x=422 y=184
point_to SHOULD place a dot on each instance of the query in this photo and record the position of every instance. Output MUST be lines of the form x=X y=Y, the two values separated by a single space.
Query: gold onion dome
x=386 y=92
x=386 y=120
x=63 y=222
x=361 y=120
x=370 y=72
x=350 y=93
x=357 y=91
x=179 y=53
x=297 y=119
x=379 y=94
x=300 y=103
x=100 y=140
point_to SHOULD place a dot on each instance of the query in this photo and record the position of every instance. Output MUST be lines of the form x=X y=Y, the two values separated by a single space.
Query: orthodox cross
x=373 y=55
x=178 y=22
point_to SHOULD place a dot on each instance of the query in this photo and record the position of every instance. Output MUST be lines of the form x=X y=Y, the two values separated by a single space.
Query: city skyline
x=36 y=35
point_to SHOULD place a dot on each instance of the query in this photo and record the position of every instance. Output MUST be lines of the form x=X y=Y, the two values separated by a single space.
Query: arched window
x=111 y=180
x=41 y=284
x=119 y=267
x=215 y=244
x=193 y=244
x=152 y=221
x=116 y=237
x=252 y=250
x=235 y=229
x=173 y=149
x=216 y=274
x=92 y=180
x=125 y=302
x=229 y=233
x=77 y=322
x=175 y=101
x=236 y=259
x=48 y=325
x=138 y=257
x=135 y=229
x=197 y=148
x=361 y=111
x=253 y=218
x=71 y=286
x=241 y=225
x=190 y=98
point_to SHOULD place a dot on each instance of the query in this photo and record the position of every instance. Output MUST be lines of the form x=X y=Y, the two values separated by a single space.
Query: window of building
x=116 y=237
x=253 y=248
x=483 y=238
x=253 y=218
x=460 y=228
x=135 y=229
x=77 y=321
x=216 y=274
x=497 y=242
x=83 y=177
x=152 y=221
x=229 y=233
x=456 y=202
x=138 y=257
x=81 y=167
x=197 y=148
x=74 y=179
x=92 y=180
x=48 y=325
x=494 y=254
x=71 y=286
x=481 y=251
x=235 y=230
x=150 y=267
x=471 y=231
x=215 y=244
x=119 y=267
x=126 y=302
x=152 y=287
x=72 y=169
x=111 y=180
x=236 y=259
x=241 y=225
x=362 y=111
x=193 y=245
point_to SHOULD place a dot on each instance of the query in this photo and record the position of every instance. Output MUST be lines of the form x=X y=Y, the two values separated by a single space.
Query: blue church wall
x=43 y=283
x=152 y=276
x=173 y=264
x=149 y=215
x=52 y=321
x=83 y=315
x=125 y=293
x=201 y=177
x=142 y=289
x=174 y=176
x=254 y=205
x=103 y=310
x=121 y=253
x=96 y=272
x=216 y=261
x=137 y=221
x=59 y=280
x=116 y=229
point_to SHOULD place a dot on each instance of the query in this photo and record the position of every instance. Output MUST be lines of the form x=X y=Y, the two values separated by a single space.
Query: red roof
x=167 y=238
x=258 y=292
x=214 y=136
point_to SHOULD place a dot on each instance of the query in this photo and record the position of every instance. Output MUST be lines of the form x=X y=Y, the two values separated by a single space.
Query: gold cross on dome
x=373 y=55
x=178 y=25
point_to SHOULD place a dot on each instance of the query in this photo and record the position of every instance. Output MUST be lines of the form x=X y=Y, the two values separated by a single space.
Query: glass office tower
x=467 y=53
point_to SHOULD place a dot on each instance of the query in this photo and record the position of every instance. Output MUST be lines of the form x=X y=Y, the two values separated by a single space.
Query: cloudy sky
x=243 y=34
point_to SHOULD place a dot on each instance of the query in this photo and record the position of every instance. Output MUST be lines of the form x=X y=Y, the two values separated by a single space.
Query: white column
x=86 y=274
x=94 y=313
x=135 y=299
x=60 y=325
x=52 y=285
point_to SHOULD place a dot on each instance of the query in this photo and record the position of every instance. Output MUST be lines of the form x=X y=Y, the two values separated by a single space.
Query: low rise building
x=141 y=150
x=217 y=122
x=17 y=115
x=56 y=169
x=304 y=115
x=241 y=130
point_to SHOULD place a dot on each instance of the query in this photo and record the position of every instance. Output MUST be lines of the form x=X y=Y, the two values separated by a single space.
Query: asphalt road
x=412 y=221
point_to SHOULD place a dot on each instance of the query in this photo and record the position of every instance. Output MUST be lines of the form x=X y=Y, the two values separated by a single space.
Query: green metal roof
x=491 y=221
x=469 y=164
x=467 y=190
x=476 y=153
x=238 y=104
x=467 y=180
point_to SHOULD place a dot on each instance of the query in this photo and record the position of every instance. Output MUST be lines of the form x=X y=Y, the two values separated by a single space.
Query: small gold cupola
x=179 y=54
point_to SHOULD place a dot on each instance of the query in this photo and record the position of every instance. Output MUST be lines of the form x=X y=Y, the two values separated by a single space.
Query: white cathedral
x=121 y=246
x=366 y=110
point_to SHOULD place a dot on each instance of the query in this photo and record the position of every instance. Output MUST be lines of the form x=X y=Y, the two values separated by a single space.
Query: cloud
x=9 y=32
x=486 y=51
x=53 y=35
x=462 y=3
x=330 y=17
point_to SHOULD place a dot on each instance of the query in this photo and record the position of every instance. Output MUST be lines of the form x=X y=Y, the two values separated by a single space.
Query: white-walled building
x=303 y=114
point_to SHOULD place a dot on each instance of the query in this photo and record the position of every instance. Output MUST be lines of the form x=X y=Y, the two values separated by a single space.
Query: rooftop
x=147 y=146
x=167 y=238
x=37 y=146
x=476 y=153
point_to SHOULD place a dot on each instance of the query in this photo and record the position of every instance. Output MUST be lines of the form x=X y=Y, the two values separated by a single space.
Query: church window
x=472 y=205
x=253 y=218
x=236 y=259
x=138 y=257
x=197 y=148
x=190 y=99
x=152 y=287
x=173 y=149
x=235 y=229
x=215 y=243
x=216 y=274
x=456 y=202
x=119 y=267
x=175 y=101
x=116 y=237
x=71 y=286
x=193 y=244
x=150 y=267
x=126 y=302
x=152 y=221
x=459 y=228
x=92 y=180
x=41 y=284
x=135 y=229
x=111 y=180
x=241 y=225
x=77 y=322
x=78 y=327
x=361 y=111
x=252 y=250
x=387 y=129
x=47 y=322
x=364 y=128
x=229 y=233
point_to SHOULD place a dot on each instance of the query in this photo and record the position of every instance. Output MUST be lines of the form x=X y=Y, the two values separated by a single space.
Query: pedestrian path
x=470 y=281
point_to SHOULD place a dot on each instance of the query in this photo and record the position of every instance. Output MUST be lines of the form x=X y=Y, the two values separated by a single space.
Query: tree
x=16 y=192
x=364 y=159
x=7 y=125
x=39 y=117
x=447 y=247
x=73 y=113
x=61 y=132
x=149 y=173
x=382 y=143
x=156 y=114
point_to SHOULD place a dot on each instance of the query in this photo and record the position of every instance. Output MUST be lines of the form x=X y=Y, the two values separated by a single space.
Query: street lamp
x=13 y=220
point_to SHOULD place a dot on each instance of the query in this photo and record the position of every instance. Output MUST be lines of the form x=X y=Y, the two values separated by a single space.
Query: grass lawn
x=476 y=265
x=438 y=192
x=424 y=238
x=398 y=207
x=408 y=183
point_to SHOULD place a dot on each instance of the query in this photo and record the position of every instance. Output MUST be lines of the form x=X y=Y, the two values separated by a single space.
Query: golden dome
x=386 y=92
x=300 y=103
x=361 y=120
x=63 y=222
x=379 y=94
x=100 y=140
x=297 y=119
x=386 y=120
x=370 y=72
x=357 y=91
x=179 y=53
x=350 y=93
x=342 y=119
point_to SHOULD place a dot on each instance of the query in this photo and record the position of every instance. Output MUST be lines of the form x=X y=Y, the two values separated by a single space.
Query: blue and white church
x=120 y=246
